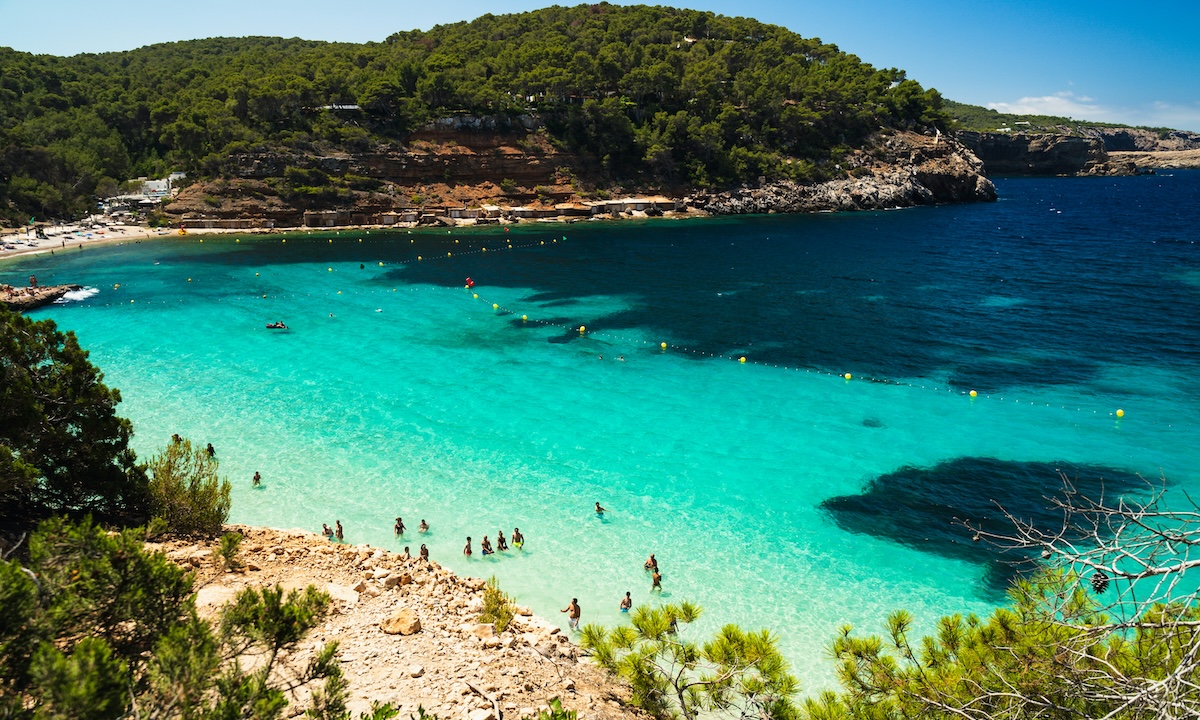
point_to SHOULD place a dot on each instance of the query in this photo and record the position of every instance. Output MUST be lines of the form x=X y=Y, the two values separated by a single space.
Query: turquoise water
x=750 y=482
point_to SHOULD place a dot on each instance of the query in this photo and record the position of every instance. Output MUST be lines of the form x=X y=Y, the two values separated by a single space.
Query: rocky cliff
x=1143 y=139
x=900 y=170
x=1043 y=154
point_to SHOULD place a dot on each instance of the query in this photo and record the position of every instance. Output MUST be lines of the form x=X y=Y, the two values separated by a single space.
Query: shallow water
x=775 y=493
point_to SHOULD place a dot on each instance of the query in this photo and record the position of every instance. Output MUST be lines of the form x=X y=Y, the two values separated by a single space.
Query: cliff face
x=1143 y=140
x=902 y=170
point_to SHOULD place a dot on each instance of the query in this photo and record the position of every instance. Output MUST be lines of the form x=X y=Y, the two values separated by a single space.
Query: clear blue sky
x=1124 y=62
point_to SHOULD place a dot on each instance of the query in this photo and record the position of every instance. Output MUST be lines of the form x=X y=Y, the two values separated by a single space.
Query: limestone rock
x=415 y=671
x=402 y=622
x=483 y=630
x=482 y=715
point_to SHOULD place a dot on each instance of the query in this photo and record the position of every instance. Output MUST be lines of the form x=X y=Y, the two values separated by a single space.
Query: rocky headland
x=409 y=631
x=1097 y=151
x=31 y=298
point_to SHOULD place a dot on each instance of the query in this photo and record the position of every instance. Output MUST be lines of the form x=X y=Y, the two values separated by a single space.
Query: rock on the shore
x=914 y=170
x=403 y=622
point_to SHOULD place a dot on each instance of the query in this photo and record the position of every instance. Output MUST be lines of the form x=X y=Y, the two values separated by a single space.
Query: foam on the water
x=441 y=408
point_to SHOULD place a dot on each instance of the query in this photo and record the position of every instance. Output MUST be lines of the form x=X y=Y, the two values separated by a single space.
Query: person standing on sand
x=573 y=613
x=626 y=602
x=399 y=526
x=424 y=552
x=467 y=549
x=338 y=530
x=517 y=538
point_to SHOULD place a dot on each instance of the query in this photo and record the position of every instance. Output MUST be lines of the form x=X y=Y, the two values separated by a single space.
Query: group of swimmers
x=336 y=532
x=485 y=545
x=651 y=565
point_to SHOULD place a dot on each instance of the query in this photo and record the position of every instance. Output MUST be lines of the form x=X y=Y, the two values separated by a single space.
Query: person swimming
x=424 y=526
x=599 y=510
x=399 y=526
x=501 y=543
x=626 y=602
x=467 y=549
x=518 y=539
x=326 y=531
x=485 y=546
x=424 y=552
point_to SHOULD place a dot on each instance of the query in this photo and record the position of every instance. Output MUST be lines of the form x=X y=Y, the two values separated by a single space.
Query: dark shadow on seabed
x=925 y=508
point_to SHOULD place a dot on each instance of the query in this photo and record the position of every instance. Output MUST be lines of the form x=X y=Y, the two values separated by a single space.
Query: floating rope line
x=506 y=244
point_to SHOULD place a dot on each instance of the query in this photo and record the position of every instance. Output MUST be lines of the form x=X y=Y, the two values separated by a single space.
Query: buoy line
x=582 y=331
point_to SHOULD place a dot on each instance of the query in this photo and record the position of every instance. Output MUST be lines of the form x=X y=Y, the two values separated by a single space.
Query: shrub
x=508 y=186
x=225 y=553
x=186 y=492
x=497 y=606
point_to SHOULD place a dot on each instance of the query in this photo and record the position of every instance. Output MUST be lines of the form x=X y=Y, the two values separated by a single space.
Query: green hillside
x=981 y=119
x=653 y=95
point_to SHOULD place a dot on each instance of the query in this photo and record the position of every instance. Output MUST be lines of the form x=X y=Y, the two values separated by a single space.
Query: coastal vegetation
x=737 y=673
x=981 y=119
x=638 y=94
x=186 y=493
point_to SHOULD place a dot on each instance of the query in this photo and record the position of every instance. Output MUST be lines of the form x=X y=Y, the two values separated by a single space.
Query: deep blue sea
x=775 y=492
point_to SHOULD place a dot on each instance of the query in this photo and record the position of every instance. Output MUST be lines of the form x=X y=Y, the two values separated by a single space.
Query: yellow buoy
x=201 y=239
x=360 y=239
x=329 y=269
x=189 y=279
x=237 y=240
x=483 y=250
x=742 y=360
x=455 y=241
x=973 y=393
x=847 y=376
x=524 y=318
x=285 y=239
x=495 y=306
x=255 y=274
x=582 y=329
x=339 y=292
x=116 y=286
x=330 y=241
x=264 y=297
x=449 y=254
x=663 y=346
x=1120 y=412
x=419 y=257
x=475 y=295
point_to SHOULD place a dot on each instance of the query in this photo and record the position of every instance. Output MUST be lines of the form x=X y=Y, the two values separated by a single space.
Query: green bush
x=225 y=553
x=96 y=627
x=497 y=606
x=186 y=492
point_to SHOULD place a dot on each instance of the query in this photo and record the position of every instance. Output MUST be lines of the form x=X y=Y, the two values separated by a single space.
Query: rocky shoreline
x=409 y=631
x=31 y=298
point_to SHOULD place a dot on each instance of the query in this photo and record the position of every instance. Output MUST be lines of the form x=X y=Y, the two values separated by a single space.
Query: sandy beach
x=67 y=237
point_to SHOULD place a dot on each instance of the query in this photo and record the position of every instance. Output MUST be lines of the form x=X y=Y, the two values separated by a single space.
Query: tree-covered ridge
x=650 y=94
x=981 y=119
